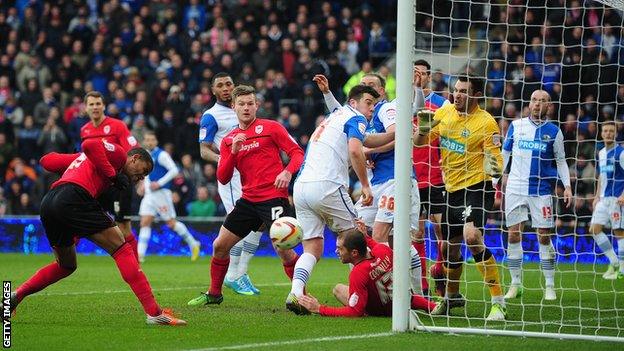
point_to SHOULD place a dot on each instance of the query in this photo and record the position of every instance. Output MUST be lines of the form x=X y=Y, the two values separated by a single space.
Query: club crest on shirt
x=546 y=137
x=465 y=133
x=259 y=129
x=106 y=129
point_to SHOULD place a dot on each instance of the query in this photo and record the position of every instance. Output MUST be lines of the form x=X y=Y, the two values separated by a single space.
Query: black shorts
x=468 y=205
x=432 y=200
x=249 y=216
x=117 y=202
x=68 y=210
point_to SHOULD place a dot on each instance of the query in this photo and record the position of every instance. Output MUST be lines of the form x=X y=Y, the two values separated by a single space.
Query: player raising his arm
x=158 y=199
x=609 y=201
x=215 y=124
x=70 y=208
x=467 y=134
x=535 y=147
x=253 y=148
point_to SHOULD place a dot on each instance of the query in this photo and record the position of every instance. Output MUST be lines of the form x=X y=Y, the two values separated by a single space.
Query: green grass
x=93 y=309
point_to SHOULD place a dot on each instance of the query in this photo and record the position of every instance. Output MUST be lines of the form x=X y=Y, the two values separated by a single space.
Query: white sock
x=303 y=269
x=250 y=246
x=415 y=271
x=499 y=300
x=145 y=233
x=547 y=263
x=514 y=262
x=235 y=255
x=621 y=253
x=184 y=233
x=603 y=242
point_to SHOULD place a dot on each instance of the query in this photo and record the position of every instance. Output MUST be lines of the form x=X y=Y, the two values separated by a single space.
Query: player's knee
x=544 y=238
x=145 y=222
x=514 y=235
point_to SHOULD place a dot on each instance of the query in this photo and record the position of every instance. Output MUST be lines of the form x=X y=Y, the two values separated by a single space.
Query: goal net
x=574 y=50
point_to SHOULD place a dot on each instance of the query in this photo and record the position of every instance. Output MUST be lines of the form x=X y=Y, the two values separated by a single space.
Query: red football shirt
x=91 y=169
x=426 y=158
x=370 y=286
x=259 y=160
x=111 y=129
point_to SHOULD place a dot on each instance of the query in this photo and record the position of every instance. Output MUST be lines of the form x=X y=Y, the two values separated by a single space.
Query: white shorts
x=608 y=212
x=321 y=203
x=517 y=208
x=158 y=203
x=230 y=192
x=383 y=205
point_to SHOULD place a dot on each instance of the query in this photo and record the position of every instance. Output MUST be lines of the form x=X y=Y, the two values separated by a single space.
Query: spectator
x=27 y=137
x=203 y=206
x=52 y=138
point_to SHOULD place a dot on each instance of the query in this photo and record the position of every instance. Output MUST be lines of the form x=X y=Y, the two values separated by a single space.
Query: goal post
x=518 y=47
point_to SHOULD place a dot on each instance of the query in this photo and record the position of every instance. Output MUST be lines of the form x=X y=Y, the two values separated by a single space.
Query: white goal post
x=588 y=308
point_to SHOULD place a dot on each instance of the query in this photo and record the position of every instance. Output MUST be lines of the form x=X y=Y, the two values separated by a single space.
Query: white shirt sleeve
x=562 y=165
x=331 y=102
x=387 y=114
x=172 y=170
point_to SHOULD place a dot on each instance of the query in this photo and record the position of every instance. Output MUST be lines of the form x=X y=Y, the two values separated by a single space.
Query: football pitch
x=94 y=309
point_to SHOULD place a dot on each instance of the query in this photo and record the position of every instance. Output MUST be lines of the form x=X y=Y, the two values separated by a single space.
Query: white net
x=574 y=51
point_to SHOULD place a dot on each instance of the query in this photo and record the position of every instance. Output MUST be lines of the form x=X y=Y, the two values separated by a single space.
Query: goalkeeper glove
x=120 y=181
x=491 y=166
x=426 y=121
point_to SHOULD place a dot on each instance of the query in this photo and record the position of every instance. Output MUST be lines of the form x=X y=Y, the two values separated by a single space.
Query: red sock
x=131 y=240
x=45 y=276
x=420 y=303
x=218 y=269
x=420 y=247
x=131 y=273
x=289 y=267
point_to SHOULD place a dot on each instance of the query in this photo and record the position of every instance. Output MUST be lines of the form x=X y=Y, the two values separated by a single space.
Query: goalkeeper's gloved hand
x=492 y=167
x=426 y=121
x=120 y=181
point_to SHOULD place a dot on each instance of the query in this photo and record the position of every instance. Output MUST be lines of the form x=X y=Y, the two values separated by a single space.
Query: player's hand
x=154 y=186
x=503 y=183
x=370 y=164
x=361 y=226
x=426 y=122
x=120 y=181
x=367 y=150
x=567 y=197
x=310 y=303
x=140 y=189
x=283 y=179
x=620 y=200
x=367 y=196
x=322 y=83
x=237 y=142
x=418 y=77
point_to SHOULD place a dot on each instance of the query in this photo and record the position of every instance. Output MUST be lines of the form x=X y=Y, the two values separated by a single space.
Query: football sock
x=547 y=263
x=235 y=255
x=45 y=276
x=131 y=240
x=514 y=261
x=604 y=244
x=131 y=273
x=453 y=275
x=486 y=264
x=421 y=303
x=250 y=246
x=415 y=272
x=422 y=253
x=621 y=254
x=218 y=268
x=184 y=233
x=145 y=233
x=289 y=267
x=303 y=269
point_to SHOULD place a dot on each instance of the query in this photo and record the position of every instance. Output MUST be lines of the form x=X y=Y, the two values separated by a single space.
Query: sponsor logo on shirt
x=453 y=145
x=608 y=168
x=532 y=145
x=110 y=147
x=250 y=146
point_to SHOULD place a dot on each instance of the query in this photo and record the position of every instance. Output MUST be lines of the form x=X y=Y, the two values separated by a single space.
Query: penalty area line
x=295 y=342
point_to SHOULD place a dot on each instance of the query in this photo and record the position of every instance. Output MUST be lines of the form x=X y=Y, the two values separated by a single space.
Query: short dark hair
x=144 y=155
x=476 y=83
x=219 y=75
x=359 y=90
x=150 y=132
x=354 y=240
x=382 y=80
x=243 y=90
x=95 y=94
x=423 y=63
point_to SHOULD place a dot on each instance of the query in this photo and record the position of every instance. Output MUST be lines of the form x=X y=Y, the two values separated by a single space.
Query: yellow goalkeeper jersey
x=464 y=141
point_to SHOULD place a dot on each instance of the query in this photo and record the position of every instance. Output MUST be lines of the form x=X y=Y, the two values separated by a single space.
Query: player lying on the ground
x=70 y=208
x=370 y=282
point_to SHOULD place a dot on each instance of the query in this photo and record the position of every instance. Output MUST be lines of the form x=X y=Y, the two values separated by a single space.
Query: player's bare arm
x=358 y=162
x=208 y=153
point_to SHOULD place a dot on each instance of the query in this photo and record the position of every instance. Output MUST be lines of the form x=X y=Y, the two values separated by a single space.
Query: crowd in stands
x=153 y=61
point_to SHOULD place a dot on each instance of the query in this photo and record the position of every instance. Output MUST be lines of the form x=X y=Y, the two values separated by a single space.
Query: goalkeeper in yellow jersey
x=470 y=144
